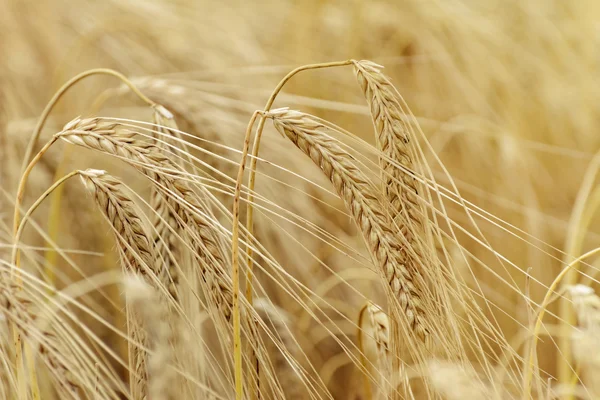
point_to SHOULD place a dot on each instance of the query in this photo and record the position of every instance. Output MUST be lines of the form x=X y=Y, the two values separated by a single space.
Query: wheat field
x=299 y=200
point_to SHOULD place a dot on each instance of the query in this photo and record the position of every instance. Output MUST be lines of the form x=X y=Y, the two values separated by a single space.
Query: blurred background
x=505 y=91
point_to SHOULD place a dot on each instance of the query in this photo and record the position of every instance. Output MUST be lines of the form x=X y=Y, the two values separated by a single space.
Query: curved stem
x=538 y=323
x=27 y=165
x=26 y=169
x=51 y=256
x=255 y=150
x=17 y=340
x=21 y=192
x=61 y=92
x=235 y=267
x=252 y=177
x=35 y=205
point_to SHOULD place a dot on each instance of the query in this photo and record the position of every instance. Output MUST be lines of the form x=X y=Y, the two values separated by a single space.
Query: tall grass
x=413 y=217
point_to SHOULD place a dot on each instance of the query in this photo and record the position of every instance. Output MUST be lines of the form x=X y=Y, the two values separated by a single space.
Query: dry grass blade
x=364 y=205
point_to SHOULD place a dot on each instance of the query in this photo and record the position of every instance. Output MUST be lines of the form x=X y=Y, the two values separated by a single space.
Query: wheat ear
x=360 y=199
x=192 y=216
x=373 y=342
x=395 y=142
x=17 y=306
x=136 y=255
x=123 y=215
x=529 y=362
x=166 y=243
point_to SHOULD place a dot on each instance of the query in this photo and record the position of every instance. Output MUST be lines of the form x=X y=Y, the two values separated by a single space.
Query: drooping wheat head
x=395 y=142
x=192 y=217
x=136 y=255
x=197 y=227
x=166 y=244
x=366 y=208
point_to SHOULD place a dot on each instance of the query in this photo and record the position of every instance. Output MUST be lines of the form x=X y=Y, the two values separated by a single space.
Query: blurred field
x=501 y=100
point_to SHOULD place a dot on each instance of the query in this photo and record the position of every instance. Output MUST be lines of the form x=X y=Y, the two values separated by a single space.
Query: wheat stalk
x=358 y=195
